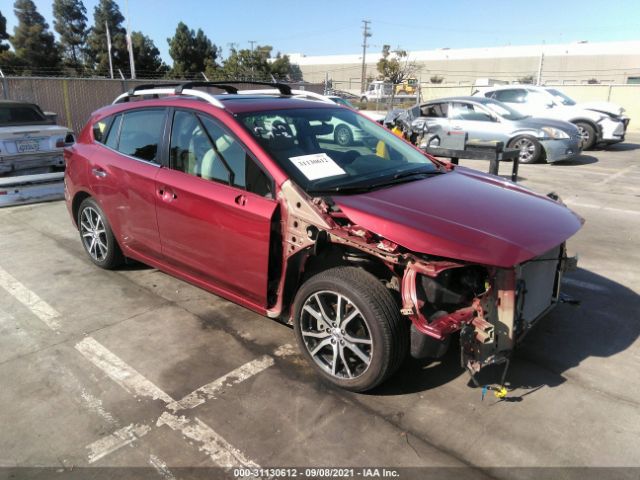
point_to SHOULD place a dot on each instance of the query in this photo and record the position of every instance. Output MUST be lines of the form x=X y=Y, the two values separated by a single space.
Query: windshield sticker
x=318 y=165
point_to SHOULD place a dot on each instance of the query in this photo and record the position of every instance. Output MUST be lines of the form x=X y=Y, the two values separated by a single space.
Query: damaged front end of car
x=492 y=307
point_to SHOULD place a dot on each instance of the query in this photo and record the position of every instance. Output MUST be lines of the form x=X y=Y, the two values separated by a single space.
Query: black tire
x=375 y=310
x=530 y=148
x=587 y=135
x=343 y=136
x=104 y=251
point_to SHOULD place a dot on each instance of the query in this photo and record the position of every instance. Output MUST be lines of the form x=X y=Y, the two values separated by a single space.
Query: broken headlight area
x=492 y=308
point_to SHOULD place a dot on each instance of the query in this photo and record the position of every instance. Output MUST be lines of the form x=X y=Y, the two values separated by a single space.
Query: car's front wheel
x=343 y=136
x=349 y=328
x=530 y=148
x=587 y=135
x=97 y=237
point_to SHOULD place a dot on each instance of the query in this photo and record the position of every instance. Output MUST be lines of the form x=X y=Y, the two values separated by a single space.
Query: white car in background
x=29 y=143
x=598 y=122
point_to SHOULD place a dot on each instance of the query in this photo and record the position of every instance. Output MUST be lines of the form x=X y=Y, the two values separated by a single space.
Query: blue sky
x=334 y=27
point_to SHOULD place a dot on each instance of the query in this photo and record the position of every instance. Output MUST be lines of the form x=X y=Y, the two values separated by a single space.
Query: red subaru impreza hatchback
x=371 y=250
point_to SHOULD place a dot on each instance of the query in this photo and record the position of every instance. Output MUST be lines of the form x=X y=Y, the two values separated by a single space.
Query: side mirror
x=69 y=140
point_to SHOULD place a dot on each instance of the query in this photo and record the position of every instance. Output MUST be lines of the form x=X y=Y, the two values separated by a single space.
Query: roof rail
x=305 y=94
x=187 y=88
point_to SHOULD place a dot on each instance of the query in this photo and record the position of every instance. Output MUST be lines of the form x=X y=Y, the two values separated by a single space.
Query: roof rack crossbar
x=226 y=86
x=283 y=88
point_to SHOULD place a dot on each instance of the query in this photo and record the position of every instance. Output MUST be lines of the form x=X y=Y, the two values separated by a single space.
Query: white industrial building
x=563 y=64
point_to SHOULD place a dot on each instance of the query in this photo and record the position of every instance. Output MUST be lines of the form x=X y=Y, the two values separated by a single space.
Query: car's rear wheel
x=587 y=135
x=343 y=136
x=530 y=148
x=349 y=328
x=97 y=237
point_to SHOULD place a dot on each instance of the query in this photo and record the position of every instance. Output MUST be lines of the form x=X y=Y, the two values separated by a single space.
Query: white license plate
x=27 y=146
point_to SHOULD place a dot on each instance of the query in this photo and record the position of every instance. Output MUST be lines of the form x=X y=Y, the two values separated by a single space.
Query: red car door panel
x=125 y=189
x=215 y=232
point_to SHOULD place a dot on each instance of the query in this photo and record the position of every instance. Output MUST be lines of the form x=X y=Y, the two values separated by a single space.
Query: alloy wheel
x=527 y=149
x=584 y=135
x=94 y=234
x=336 y=334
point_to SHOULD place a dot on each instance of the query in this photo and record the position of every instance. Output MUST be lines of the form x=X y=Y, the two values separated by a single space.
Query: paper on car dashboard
x=317 y=165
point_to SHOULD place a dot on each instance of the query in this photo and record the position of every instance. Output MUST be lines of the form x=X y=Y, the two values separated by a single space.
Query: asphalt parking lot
x=136 y=369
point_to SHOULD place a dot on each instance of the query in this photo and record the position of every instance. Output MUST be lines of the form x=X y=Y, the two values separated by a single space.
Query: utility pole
x=366 y=33
x=539 y=78
x=252 y=43
x=130 y=45
x=106 y=25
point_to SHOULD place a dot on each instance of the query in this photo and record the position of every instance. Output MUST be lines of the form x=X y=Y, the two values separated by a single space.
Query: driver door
x=215 y=207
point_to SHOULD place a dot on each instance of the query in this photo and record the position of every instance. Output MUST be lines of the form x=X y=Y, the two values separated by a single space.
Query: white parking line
x=121 y=373
x=619 y=174
x=161 y=467
x=29 y=299
x=600 y=207
x=209 y=391
x=219 y=450
x=118 y=439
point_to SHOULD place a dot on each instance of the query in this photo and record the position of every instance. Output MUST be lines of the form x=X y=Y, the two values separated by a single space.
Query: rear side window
x=436 y=110
x=141 y=134
x=18 y=114
x=517 y=95
x=100 y=129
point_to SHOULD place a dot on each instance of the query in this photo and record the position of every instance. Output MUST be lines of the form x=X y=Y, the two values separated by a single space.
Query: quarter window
x=100 y=129
x=140 y=134
x=436 y=110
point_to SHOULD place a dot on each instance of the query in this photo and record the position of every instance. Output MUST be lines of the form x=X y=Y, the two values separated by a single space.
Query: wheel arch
x=78 y=198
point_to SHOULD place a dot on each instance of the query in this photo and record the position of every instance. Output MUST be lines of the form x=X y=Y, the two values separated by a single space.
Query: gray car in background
x=488 y=120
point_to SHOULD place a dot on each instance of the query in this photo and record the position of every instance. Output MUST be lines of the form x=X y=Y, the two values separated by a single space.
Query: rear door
x=437 y=122
x=215 y=207
x=122 y=172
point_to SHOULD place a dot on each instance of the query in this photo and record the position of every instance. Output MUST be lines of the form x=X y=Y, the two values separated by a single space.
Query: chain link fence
x=74 y=99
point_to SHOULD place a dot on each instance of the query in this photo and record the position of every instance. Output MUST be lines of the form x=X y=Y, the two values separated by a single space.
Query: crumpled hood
x=464 y=215
x=606 y=107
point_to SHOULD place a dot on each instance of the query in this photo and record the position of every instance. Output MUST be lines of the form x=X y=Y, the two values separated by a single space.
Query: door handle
x=166 y=194
x=241 y=200
x=98 y=172
x=456 y=128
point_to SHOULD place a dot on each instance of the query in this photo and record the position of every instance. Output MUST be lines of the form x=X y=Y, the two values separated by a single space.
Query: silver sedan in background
x=487 y=120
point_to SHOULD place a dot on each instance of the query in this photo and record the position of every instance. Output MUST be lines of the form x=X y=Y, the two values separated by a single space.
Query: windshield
x=558 y=95
x=503 y=110
x=335 y=149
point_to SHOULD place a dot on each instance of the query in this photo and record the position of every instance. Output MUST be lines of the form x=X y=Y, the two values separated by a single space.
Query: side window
x=469 y=111
x=436 y=110
x=141 y=133
x=516 y=95
x=200 y=147
x=100 y=129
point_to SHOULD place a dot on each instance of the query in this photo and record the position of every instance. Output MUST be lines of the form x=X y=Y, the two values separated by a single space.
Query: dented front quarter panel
x=488 y=322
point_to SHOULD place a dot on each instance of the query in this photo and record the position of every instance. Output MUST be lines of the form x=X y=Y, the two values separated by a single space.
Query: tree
x=395 y=66
x=70 y=21
x=246 y=64
x=436 y=79
x=527 y=79
x=108 y=13
x=282 y=69
x=32 y=41
x=192 y=52
x=147 y=56
x=3 y=34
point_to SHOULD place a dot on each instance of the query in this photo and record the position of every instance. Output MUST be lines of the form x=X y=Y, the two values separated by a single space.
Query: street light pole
x=366 y=33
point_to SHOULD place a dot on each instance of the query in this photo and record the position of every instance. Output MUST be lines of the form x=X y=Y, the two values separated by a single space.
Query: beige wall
x=628 y=96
